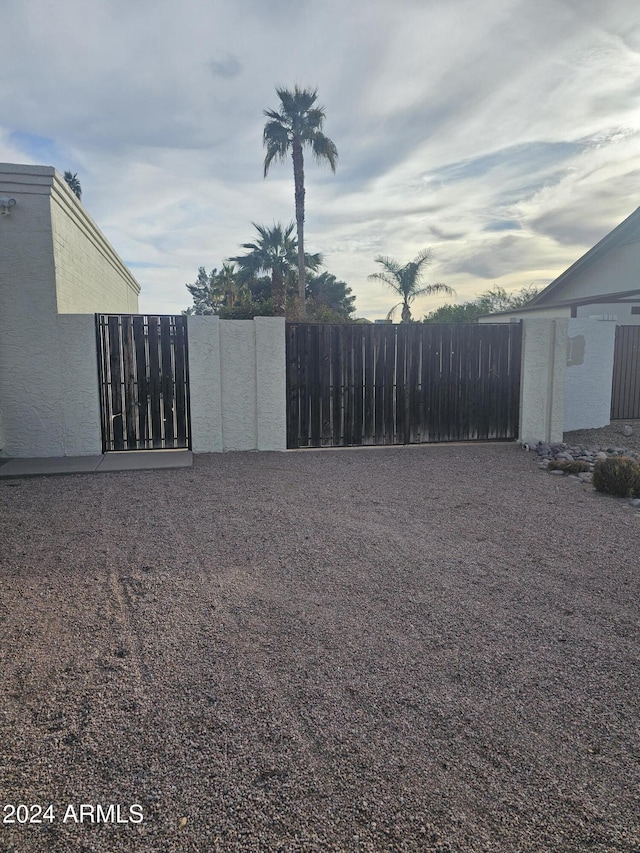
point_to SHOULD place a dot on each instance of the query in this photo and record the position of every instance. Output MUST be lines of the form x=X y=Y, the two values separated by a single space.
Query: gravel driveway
x=401 y=649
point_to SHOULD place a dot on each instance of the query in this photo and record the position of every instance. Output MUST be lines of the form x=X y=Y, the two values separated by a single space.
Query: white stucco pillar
x=205 y=388
x=237 y=377
x=544 y=354
x=271 y=385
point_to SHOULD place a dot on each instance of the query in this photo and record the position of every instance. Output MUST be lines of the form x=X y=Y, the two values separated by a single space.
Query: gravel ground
x=395 y=649
x=610 y=436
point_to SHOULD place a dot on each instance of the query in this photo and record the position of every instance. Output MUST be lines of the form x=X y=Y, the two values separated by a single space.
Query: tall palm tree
x=405 y=281
x=73 y=182
x=298 y=124
x=274 y=252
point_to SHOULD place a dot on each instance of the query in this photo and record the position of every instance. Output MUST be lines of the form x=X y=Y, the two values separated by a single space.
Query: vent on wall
x=635 y=309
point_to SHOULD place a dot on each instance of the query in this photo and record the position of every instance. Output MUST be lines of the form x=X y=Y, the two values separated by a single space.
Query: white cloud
x=504 y=135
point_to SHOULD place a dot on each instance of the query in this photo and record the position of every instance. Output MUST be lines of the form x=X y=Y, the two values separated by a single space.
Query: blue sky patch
x=136 y=265
x=529 y=158
x=503 y=225
x=40 y=148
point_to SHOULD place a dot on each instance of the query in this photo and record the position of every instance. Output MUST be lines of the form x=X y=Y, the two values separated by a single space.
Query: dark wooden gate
x=625 y=392
x=144 y=381
x=357 y=384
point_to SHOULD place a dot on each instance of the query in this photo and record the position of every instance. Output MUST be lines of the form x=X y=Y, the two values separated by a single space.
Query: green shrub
x=577 y=466
x=617 y=475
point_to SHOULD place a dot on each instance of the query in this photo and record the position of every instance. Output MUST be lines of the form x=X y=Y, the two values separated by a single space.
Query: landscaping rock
x=627 y=430
x=570 y=452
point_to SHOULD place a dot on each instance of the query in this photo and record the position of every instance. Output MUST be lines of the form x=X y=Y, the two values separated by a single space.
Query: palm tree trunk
x=298 y=180
x=278 y=293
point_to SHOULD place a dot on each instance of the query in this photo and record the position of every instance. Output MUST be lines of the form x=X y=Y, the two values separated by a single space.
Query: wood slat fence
x=144 y=381
x=625 y=392
x=357 y=384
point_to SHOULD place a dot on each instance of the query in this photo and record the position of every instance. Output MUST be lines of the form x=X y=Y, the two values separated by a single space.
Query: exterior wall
x=79 y=392
x=237 y=375
x=90 y=277
x=53 y=261
x=28 y=339
x=52 y=242
x=50 y=394
x=589 y=371
x=544 y=350
x=619 y=313
x=589 y=365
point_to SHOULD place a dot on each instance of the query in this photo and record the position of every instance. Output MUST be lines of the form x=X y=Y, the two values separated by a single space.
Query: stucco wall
x=47 y=368
x=589 y=371
x=205 y=387
x=271 y=386
x=544 y=353
x=51 y=405
x=51 y=240
x=237 y=378
x=28 y=337
x=90 y=276
x=616 y=311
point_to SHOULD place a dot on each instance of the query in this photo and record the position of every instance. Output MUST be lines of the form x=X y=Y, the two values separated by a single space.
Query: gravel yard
x=395 y=649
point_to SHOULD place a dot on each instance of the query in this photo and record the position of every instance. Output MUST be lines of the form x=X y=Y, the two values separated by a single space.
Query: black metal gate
x=625 y=392
x=358 y=384
x=144 y=381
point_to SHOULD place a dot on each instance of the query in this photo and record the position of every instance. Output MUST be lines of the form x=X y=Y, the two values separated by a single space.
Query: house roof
x=632 y=297
x=551 y=297
x=627 y=232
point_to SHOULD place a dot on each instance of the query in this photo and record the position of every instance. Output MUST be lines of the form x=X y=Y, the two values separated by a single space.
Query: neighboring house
x=603 y=284
x=54 y=262
x=590 y=302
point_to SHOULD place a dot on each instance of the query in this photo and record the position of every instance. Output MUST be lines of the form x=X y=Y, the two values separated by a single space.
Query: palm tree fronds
x=324 y=149
x=390 y=264
x=435 y=288
x=405 y=280
x=393 y=311
x=380 y=276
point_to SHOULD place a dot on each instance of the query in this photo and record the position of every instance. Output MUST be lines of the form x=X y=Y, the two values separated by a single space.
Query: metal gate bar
x=144 y=381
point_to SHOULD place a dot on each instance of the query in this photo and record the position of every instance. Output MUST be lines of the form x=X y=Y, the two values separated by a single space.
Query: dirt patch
x=406 y=649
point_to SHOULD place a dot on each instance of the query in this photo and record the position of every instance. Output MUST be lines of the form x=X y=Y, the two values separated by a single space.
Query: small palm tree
x=228 y=286
x=298 y=124
x=74 y=184
x=275 y=253
x=405 y=281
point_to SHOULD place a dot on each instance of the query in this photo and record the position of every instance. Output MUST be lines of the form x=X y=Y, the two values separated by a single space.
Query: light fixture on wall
x=6 y=204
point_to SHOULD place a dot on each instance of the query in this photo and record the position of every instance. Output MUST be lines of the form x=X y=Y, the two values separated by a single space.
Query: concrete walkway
x=131 y=460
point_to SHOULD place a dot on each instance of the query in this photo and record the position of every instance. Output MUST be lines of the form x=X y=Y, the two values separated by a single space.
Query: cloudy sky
x=505 y=135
